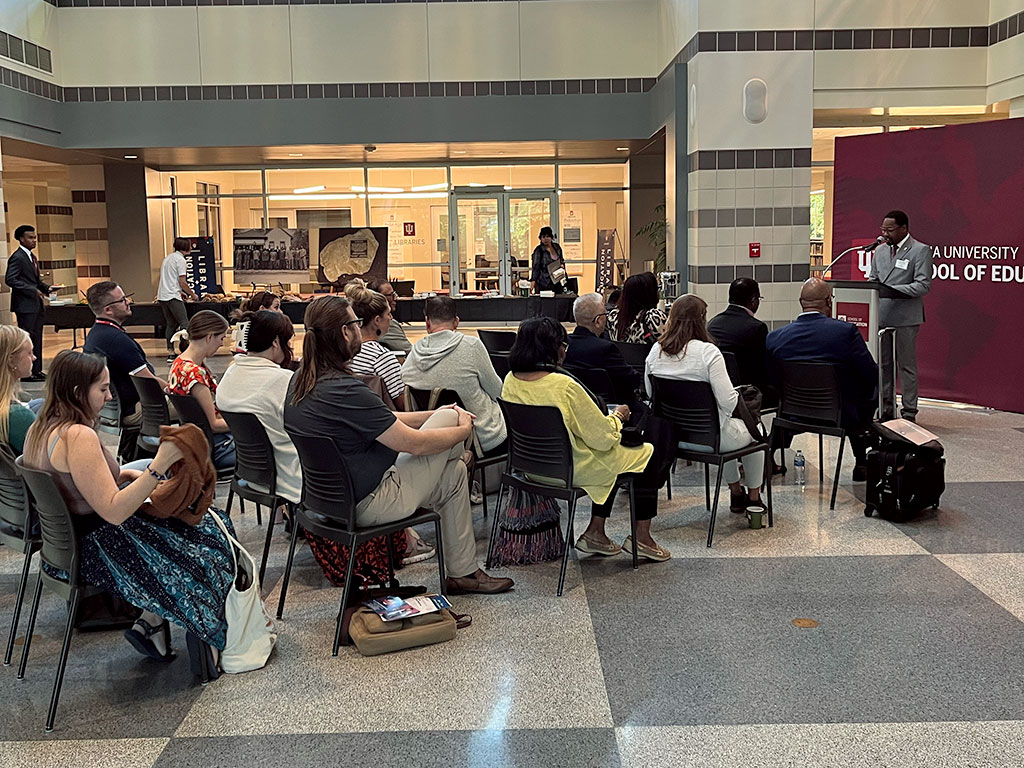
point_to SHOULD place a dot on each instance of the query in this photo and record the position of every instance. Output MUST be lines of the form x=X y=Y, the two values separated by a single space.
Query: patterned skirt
x=371 y=567
x=178 y=571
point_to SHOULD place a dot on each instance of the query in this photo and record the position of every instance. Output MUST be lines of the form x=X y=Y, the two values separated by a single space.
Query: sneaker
x=475 y=496
x=418 y=550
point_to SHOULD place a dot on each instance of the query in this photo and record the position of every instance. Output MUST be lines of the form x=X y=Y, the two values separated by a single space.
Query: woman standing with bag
x=547 y=262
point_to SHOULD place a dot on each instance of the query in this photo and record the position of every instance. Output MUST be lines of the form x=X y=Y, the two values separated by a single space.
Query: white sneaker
x=475 y=496
x=418 y=550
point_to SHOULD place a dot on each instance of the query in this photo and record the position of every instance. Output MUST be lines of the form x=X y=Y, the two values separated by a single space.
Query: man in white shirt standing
x=173 y=285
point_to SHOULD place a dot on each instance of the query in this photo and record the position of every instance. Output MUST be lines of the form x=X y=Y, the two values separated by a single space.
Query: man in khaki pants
x=398 y=462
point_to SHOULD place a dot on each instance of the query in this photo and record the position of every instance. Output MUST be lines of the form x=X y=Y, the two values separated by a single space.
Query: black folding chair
x=497 y=342
x=19 y=530
x=538 y=445
x=110 y=422
x=597 y=381
x=501 y=364
x=191 y=412
x=428 y=400
x=811 y=401
x=328 y=510
x=732 y=367
x=635 y=355
x=155 y=412
x=255 y=469
x=692 y=408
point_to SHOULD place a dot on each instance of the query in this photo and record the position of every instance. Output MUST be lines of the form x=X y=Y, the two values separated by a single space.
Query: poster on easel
x=605 y=275
x=271 y=255
x=348 y=252
x=202 y=266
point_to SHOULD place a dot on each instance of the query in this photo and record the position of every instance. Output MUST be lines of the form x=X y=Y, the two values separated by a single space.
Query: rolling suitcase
x=906 y=472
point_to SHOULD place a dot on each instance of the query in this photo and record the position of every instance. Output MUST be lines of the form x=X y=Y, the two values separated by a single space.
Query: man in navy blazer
x=815 y=337
x=27 y=292
x=588 y=350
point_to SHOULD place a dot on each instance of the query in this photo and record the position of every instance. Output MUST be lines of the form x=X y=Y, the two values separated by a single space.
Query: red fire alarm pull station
x=755 y=250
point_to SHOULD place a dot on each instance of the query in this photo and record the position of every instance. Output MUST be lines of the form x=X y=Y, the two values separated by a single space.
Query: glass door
x=527 y=214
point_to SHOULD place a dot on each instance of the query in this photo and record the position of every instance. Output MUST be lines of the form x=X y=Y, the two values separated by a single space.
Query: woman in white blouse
x=686 y=351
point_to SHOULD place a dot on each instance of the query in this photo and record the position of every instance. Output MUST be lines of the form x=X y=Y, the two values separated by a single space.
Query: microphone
x=878 y=242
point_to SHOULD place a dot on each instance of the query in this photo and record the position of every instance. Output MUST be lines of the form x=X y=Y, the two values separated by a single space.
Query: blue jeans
x=223 y=454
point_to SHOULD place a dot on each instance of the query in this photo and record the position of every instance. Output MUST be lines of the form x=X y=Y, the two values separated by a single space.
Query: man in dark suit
x=815 y=337
x=588 y=351
x=27 y=293
x=736 y=330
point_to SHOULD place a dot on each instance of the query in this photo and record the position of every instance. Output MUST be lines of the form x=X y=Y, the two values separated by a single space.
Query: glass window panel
x=526 y=217
x=580 y=216
x=513 y=176
x=314 y=181
x=604 y=175
x=228 y=182
x=407 y=180
x=417 y=224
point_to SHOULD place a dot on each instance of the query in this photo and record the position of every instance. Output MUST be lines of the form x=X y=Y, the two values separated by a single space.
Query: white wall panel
x=353 y=43
x=906 y=97
x=1006 y=60
x=1001 y=9
x=921 y=68
x=847 y=14
x=677 y=23
x=128 y=46
x=244 y=45
x=730 y=15
x=475 y=41
x=589 y=38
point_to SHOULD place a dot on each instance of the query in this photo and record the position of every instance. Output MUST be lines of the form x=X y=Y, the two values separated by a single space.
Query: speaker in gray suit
x=904 y=268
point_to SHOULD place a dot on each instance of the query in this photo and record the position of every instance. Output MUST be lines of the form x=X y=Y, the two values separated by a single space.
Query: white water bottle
x=800 y=467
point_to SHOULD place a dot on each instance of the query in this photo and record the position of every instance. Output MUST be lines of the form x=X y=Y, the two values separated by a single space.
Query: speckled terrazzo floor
x=915 y=659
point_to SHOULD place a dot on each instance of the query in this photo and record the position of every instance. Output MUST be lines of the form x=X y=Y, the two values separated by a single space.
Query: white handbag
x=251 y=630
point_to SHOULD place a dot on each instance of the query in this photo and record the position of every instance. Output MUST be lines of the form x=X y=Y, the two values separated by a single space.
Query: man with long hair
x=397 y=462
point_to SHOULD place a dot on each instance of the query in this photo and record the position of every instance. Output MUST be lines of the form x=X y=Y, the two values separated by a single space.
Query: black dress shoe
x=910 y=417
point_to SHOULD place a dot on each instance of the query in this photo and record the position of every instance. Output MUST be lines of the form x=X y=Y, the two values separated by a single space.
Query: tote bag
x=251 y=631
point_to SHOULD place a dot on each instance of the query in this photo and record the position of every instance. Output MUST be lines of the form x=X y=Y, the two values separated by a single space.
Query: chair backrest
x=501 y=364
x=15 y=509
x=810 y=393
x=60 y=546
x=538 y=443
x=254 y=453
x=326 y=484
x=732 y=367
x=376 y=384
x=497 y=341
x=191 y=412
x=110 y=414
x=429 y=399
x=691 y=407
x=597 y=381
x=635 y=355
x=155 y=413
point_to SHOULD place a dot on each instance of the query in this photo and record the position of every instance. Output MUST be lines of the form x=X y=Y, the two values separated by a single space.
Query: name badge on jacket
x=902 y=263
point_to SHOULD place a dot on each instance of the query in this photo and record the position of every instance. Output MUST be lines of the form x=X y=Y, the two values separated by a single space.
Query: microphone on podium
x=878 y=242
x=866 y=248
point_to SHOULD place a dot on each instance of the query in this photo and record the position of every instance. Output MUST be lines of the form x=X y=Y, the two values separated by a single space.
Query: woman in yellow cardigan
x=598 y=457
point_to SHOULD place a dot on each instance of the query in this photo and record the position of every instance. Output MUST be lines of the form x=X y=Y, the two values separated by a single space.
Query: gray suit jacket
x=913 y=280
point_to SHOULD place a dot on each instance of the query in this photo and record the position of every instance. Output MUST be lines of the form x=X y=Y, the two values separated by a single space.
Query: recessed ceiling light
x=458 y=151
x=304 y=190
x=294 y=154
x=622 y=149
x=131 y=157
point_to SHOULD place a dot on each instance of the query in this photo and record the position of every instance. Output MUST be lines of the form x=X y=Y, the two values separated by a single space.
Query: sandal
x=657 y=553
x=141 y=642
x=738 y=503
x=583 y=544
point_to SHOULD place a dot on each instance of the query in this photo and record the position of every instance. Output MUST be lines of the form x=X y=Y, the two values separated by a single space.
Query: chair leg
x=259 y=516
x=483 y=489
x=62 y=664
x=441 y=575
x=821 y=459
x=632 y=521
x=568 y=544
x=31 y=627
x=241 y=504
x=231 y=498
x=839 y=466
x=390 y=545
x=714 y=509
x=266 y=547
x=768 y=484
x=349 y=570
x=288 y=566
x=17 y=608
x=668 y=486
x=494 y=526
x=707 y=485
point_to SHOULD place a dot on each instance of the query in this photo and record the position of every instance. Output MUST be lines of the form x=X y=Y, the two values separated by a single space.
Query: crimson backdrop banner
x=963 y=189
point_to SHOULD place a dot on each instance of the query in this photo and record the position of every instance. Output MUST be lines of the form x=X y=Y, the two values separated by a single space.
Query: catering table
x=470 y=309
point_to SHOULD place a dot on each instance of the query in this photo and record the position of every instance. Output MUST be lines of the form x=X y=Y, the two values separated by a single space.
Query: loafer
x=594 y=548
x=477 y=583
x=657 y=553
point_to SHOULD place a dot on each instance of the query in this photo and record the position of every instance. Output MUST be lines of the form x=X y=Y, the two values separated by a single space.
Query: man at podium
x=903 y=266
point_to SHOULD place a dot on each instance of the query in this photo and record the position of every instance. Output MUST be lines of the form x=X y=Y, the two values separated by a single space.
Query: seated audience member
x=125 y=357
x=398 y=462
x=16 y=357
x=259 y=300
x=394 y=337
x=685 y=351
x=171 y=570
x=373 y=359
x=257 y=383
x=816 y=337
x=736 y=330
x=589 y=350
x=190 y=376
x=598 y=456
x=637 y=319
x=613 y=298
x=447 y=359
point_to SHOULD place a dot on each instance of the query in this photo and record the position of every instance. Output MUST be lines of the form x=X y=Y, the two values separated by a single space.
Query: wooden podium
x=856 y=301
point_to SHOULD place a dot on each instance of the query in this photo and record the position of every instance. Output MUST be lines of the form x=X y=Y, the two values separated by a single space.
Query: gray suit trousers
x=906 y=360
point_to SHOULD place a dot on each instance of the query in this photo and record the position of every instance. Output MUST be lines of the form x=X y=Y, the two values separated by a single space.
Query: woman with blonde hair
x=686 y=351
x=16 y=358
x=374 y=359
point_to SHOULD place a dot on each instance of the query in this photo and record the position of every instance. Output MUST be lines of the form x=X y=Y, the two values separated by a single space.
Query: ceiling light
x=622 y=149
x=378 y=189
x=311 y=197
x=458 y=151
x=429 y=187
x=559 y=191
x=304 y=190
x=476 y=184
x=131 y=157
x=294 y=154
x=409 y=196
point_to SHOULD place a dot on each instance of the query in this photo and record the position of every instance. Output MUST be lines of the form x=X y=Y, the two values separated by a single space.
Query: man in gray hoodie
x=448 y=359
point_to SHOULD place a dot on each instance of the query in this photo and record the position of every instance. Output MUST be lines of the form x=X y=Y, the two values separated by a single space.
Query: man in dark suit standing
x=815 y=337
x=588 y=351
x=27 y=293
x=736 y=330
